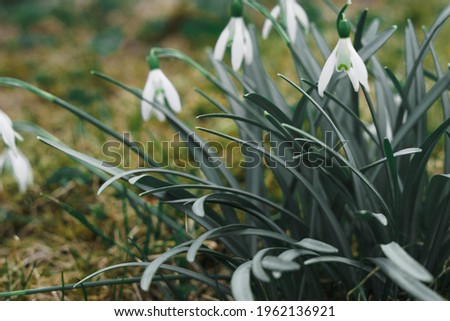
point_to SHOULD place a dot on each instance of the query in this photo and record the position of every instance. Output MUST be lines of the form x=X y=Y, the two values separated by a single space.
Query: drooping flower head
x=159 y=89
x=344 y=58
x=293 y=14
x=237 y=35
x=20 y=166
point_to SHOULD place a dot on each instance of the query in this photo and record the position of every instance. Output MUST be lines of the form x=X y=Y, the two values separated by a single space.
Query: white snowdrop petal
x=148 y=94
x=327 y=72
x=268 y=23
x=353 y=78
x=146 y=110
x=237 y=48
x=291 y=21
x=7 y=131
x=159 y=115
x=21 y=169
x=301 y=15
x=248 y=46
x=221 y=44
x=160 y=100
x=171 y=94
x=343 y=59
x=360 y=68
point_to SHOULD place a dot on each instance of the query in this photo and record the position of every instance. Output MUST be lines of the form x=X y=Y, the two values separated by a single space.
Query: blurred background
x=54 y=44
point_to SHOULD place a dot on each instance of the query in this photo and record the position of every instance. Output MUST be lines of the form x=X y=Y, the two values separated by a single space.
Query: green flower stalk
x=344 y=58
x=237 y=36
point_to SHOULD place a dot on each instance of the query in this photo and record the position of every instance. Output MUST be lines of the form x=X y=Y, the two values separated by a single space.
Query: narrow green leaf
x=257 y=268
x=318 y=196
x=224 y=189
x=345 y=108
x=378 y=216
x=198 y=242
x=363 y=178
x=241 y=283
x=414 y=178
x=110 y=268
x=321 y=43
x=405 y=262
x=292 y=254
x=133 y=180
x=372 y=30
x=317 y=246
x=403 y=152
x=86 y=159
x=431 y=97
x=439 y=22
x=407 y=283
x=199 y=206
x=274 y=263
x=241 y=203
x=437 y=207
x=367 y=51
x=392 y=165
x=335 y=259
x=268 y=106
x=445 y=108
x=153 y=266
x=357 y=42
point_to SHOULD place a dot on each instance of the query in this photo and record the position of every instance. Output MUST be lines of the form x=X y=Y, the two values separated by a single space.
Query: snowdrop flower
x=159 y=89
x=237 y=35
x=7 y=132
x=21 y=168
x=344 y=58
x=293 y=13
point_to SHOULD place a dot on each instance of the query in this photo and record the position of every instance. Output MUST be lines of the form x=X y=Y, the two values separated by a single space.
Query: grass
x=42 y=241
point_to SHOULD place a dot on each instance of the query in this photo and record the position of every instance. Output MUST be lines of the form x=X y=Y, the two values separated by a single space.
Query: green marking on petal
x=343 y=66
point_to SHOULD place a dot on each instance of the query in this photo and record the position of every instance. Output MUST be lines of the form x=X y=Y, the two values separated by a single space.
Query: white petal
x=327 y=72
x=7 y=131
x=146 y=110
x=159 y=115
x=301 y=15
x=268 y=23
x=360 y=68
x=343 y=54
x=291 y=21
x=221 y=44
x=159 y=98
x=171 y=93
x=148 y=94
x=21 y=169
x=237 y=48
x=353 y=78
x=248 y=53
